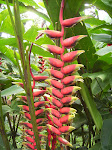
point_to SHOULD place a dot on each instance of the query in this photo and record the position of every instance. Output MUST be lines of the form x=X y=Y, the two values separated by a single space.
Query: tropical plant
x=46 y=110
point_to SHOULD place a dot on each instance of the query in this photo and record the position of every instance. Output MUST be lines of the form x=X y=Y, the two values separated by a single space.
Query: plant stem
x=2 y=127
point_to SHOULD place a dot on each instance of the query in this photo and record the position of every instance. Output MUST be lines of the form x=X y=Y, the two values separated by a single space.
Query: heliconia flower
x=29 y=132
x=28 y=125
x=27 y=115
x=40 y=103
x=66 y=119
x=66 y=129
x=67 y=110
x=56 y=121
x=69 y=100
x=54 y=49
x=41 y=128
x=65 y=142
x=72 y=21
x=23 y=98
x=52 y=33
x=71 y=56
x=55 y=73
x=54 y=112
x=25 y=108
x=39 y=93
x=70 y=90
x=71 y=79
x=40 y=78
x=69 y=69
x=55 y=62
x=70 y=42
x=53 y=129
x=54 y=83
x=55 y=92
x=55 y=102
x=39 y=112
x=29 y=145
x=40 y=120
x=29 y=139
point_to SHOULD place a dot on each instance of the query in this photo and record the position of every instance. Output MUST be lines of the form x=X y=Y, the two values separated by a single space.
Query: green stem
x=31 y=102
x=2 y=127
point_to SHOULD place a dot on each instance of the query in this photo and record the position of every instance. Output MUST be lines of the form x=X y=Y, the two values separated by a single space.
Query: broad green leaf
x=91 y=106
x=6 y=109
x=35 y=67
x=31 y=34
x=94 y=21
x=79 y=120
x=102 y=38
x=107 y=58
x=30 y=3
x=107 y=2
x=14 y=89
x=8 y=41
x=104 y=51
x=97 y=146
x=106 y=135
x=9 y=53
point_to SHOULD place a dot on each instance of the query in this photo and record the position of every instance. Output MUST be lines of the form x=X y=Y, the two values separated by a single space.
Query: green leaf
x=106 y=135
x=94 y=21
x=97 y=146
x=104 y=51
x=107 y=2
x=79 y=120
x=9 y=53
x=91 y=106
x=102 y=38
x=6 y=109
x=14 y=89
x=30 y=3
x=35 y=67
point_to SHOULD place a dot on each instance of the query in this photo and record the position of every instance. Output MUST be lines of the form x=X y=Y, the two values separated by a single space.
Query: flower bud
x=56 y=121
x=55 y=102
x=39 y=93
x=55 y=92
x=54 y=112
x=66 y=119
x=52 y=33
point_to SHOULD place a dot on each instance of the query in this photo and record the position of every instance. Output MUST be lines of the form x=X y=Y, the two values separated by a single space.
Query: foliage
x=96 y=94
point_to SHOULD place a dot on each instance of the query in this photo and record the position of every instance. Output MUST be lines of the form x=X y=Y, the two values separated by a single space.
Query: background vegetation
x=93 y=121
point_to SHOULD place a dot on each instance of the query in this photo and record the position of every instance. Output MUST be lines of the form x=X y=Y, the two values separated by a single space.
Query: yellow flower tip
x=80 y=52
x=45 y=46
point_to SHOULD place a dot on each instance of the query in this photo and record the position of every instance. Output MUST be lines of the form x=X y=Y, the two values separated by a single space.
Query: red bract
x=56 y=121
x=29 y=132
x=70 y=42
x=26 y=108
x=53 y=33
x=72 y=21
x=71 y=68
x=30 y=146
x=66 y=119
x=30 y=139
x=55 y=83
x=55 y=73
x=54 y=112
x=54 y=49
x=64 y=141
x=53 y=129
x=39 y=112
x=39 y=93
x=68 y=100
x=55 y=92
x=67 y=110
x=70 y=90
x=66 y=129
x=55 y=102
x=27 y=116
x=55 y=62
x=39 y=104
x=71 y=79
x=40 y=78
x=40 y=120
x=71 y=56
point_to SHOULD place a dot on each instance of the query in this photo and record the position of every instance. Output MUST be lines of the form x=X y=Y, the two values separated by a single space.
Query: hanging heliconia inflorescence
x=61 y=92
